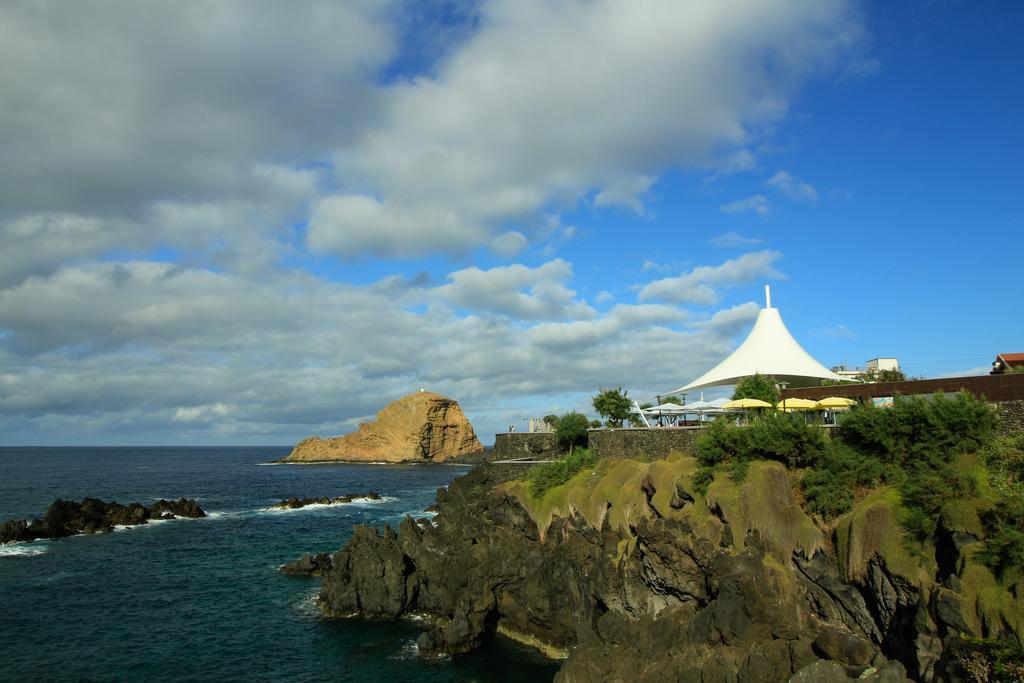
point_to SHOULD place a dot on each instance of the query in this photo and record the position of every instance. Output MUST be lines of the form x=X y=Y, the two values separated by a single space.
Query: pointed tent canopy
x=769 y=349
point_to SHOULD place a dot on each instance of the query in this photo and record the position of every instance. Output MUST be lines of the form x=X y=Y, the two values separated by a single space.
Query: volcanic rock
x=296 y=503
x=420 y=427
x=627 y=575
x=92 y=516
x=309 y=565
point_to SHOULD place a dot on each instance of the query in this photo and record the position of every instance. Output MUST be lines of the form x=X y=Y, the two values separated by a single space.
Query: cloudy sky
x=247 y=222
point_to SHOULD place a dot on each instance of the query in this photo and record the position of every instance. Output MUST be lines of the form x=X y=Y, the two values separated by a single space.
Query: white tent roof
x=666 y=409
x=769 y=349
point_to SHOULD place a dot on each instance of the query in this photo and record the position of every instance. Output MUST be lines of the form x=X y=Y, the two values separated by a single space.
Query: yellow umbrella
x=836 y=402
x=747 y=403
x=797 y=404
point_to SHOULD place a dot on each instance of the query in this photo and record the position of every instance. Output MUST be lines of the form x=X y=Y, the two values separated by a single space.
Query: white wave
x=221 y=514
x=306 y=604
x=23 y=549
x=409 y=650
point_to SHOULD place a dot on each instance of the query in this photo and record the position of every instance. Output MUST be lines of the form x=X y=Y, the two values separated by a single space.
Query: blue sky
x=230 y=223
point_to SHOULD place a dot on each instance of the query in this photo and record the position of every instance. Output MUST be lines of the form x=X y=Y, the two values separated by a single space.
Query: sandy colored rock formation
x=420 y=427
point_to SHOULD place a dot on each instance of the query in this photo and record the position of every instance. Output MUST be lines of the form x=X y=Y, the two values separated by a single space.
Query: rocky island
x=93 y=516
x=420 y=427
x=294 y=503
x=678 y=570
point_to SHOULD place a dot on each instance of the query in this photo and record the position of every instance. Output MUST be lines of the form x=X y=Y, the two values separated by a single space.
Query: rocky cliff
x=631 y=574
x=422 y=426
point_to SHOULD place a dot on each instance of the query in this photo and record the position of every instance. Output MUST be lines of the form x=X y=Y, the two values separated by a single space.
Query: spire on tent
x=769 y=349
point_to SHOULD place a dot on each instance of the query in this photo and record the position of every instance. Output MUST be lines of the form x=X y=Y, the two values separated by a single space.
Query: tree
x=673 y=399
x=595 y=424
x=761 y=387
x=551 y=421
x=571 y=430
x=891 y=376
x=612 y=404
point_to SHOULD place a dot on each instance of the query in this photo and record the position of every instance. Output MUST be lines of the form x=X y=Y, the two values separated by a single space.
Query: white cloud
x=757 y=203
x=113 y=106
x=625 y=192
x=108 y=352
x=353 y=224
x=739 y=161
x=541 y=107
x=729 y=321
x=702 y=284
x=583 y=333
x=792 y=187
x=501 y=290
x=509 y=244
x=733 y=239
x=653 y=266
x=604 y=297
x=836 y=331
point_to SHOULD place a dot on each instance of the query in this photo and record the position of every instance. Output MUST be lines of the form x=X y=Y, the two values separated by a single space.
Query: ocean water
x=202 y=599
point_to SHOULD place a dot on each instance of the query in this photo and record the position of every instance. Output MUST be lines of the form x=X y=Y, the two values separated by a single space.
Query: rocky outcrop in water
x=631 y=574
x=296 y=503
x=93 y=516
x=420 y=427
x=313 y=564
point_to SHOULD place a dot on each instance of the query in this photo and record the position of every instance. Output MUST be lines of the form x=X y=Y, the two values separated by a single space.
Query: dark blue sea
x=202 y=599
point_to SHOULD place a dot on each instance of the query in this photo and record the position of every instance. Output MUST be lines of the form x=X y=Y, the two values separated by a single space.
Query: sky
x=247 y=222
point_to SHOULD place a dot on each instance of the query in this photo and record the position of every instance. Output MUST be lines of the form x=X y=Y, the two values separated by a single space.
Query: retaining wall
x=515 y=445
x=1011 y=417
x=643 y=443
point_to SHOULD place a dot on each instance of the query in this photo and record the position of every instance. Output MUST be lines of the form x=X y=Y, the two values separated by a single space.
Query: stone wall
x=516 y=445
x=643 y=443
x=1011 y=417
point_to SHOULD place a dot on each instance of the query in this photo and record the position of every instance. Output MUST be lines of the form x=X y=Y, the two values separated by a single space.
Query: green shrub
x=720 y=442
x=1004 y=458
x=702 y=479
x=987 y=659
x=918 y=429
x=926 y=488
x=551 y=474
x=785 y=437
x=829 y=487
x=1004 y=544
x=776 y=436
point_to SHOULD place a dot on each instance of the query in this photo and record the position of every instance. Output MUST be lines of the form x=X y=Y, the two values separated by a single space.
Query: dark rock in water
x=93 y=516
x=309 y=565
x=296 y=503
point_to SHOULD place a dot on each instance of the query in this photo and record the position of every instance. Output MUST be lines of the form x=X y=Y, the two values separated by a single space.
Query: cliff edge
x=421 y=427
x=630 y=573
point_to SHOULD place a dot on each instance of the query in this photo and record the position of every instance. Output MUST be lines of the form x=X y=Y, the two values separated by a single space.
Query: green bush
x=776 y=436
x=551 y=474
x=702 y=479
x=829 y=487
x=1004 y=544
x=926 y=488
x=1004 y=458
x=918 y=429
x=785 y=437
x=720 y=442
